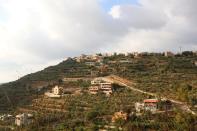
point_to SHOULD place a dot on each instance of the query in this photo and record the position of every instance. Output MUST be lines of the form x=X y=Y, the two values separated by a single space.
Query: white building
x=96 y=81
x=90 y=63
x=147 y=105
x=139 y=107
x=125 y=61
x=57 y=92
x=100 y=85
x=195 y=63
x=150 y=105
x=23 y=119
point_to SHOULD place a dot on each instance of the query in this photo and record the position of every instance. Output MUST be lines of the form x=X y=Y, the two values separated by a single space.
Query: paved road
x=115 y=79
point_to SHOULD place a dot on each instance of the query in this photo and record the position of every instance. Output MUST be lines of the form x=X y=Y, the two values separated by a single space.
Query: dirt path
x=116 y=79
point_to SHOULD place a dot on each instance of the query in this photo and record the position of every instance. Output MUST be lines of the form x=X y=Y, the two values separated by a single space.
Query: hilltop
x=165 y=74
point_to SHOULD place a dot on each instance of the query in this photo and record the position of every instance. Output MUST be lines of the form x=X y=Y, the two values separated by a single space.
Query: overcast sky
x=38 y=33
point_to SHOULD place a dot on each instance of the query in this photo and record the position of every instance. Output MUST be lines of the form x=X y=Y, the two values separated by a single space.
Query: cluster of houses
x=152 y=105
x=147 y=105
x=102 y=64
x=100 y=85
x=90 y=59
x=99 y=57
x=5 y=117
x=97 y=85
x=166 y=54
x=19 y=120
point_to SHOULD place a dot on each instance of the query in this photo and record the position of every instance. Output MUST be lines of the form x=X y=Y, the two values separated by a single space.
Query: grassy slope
x=23 y=90
x=154 y=73
x=169 y=76
x=175 y=77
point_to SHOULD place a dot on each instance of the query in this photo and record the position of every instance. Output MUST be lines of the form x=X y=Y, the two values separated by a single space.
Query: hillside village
x=118 y=91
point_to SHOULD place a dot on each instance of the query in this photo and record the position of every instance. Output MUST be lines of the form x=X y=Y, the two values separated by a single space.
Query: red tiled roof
x=150 y=101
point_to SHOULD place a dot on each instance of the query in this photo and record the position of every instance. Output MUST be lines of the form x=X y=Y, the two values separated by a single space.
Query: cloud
x=157 y=25
x=54 y=29
x=136 y=16
x=36 y=33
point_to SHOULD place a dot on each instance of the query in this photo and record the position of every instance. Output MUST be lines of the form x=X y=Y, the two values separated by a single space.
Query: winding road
x=116 y=79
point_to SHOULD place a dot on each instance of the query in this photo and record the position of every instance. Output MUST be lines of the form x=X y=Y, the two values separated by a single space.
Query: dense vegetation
x=23 y=90
x=88 y=112
x=172 y=76
x=175 y=77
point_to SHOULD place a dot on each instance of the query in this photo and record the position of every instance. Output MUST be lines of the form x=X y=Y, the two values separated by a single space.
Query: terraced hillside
x=172 y=76
x=22 y=91
x=175 y=77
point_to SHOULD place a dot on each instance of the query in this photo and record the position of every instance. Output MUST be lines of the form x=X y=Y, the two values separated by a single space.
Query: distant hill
x=173 y=76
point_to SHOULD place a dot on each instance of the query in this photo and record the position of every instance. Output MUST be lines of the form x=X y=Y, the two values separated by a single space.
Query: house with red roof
x=147 y=105
x=151 y=105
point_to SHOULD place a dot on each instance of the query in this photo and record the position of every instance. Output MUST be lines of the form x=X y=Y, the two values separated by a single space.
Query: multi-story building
x=151 y=105
x=57 y=90
x=106 y=88
x=99 y=85
x=147 y=105
x=89 y=58
x=94 y=90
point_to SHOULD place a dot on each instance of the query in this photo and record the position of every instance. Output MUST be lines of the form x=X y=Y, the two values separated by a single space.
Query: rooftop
x=150 y=101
